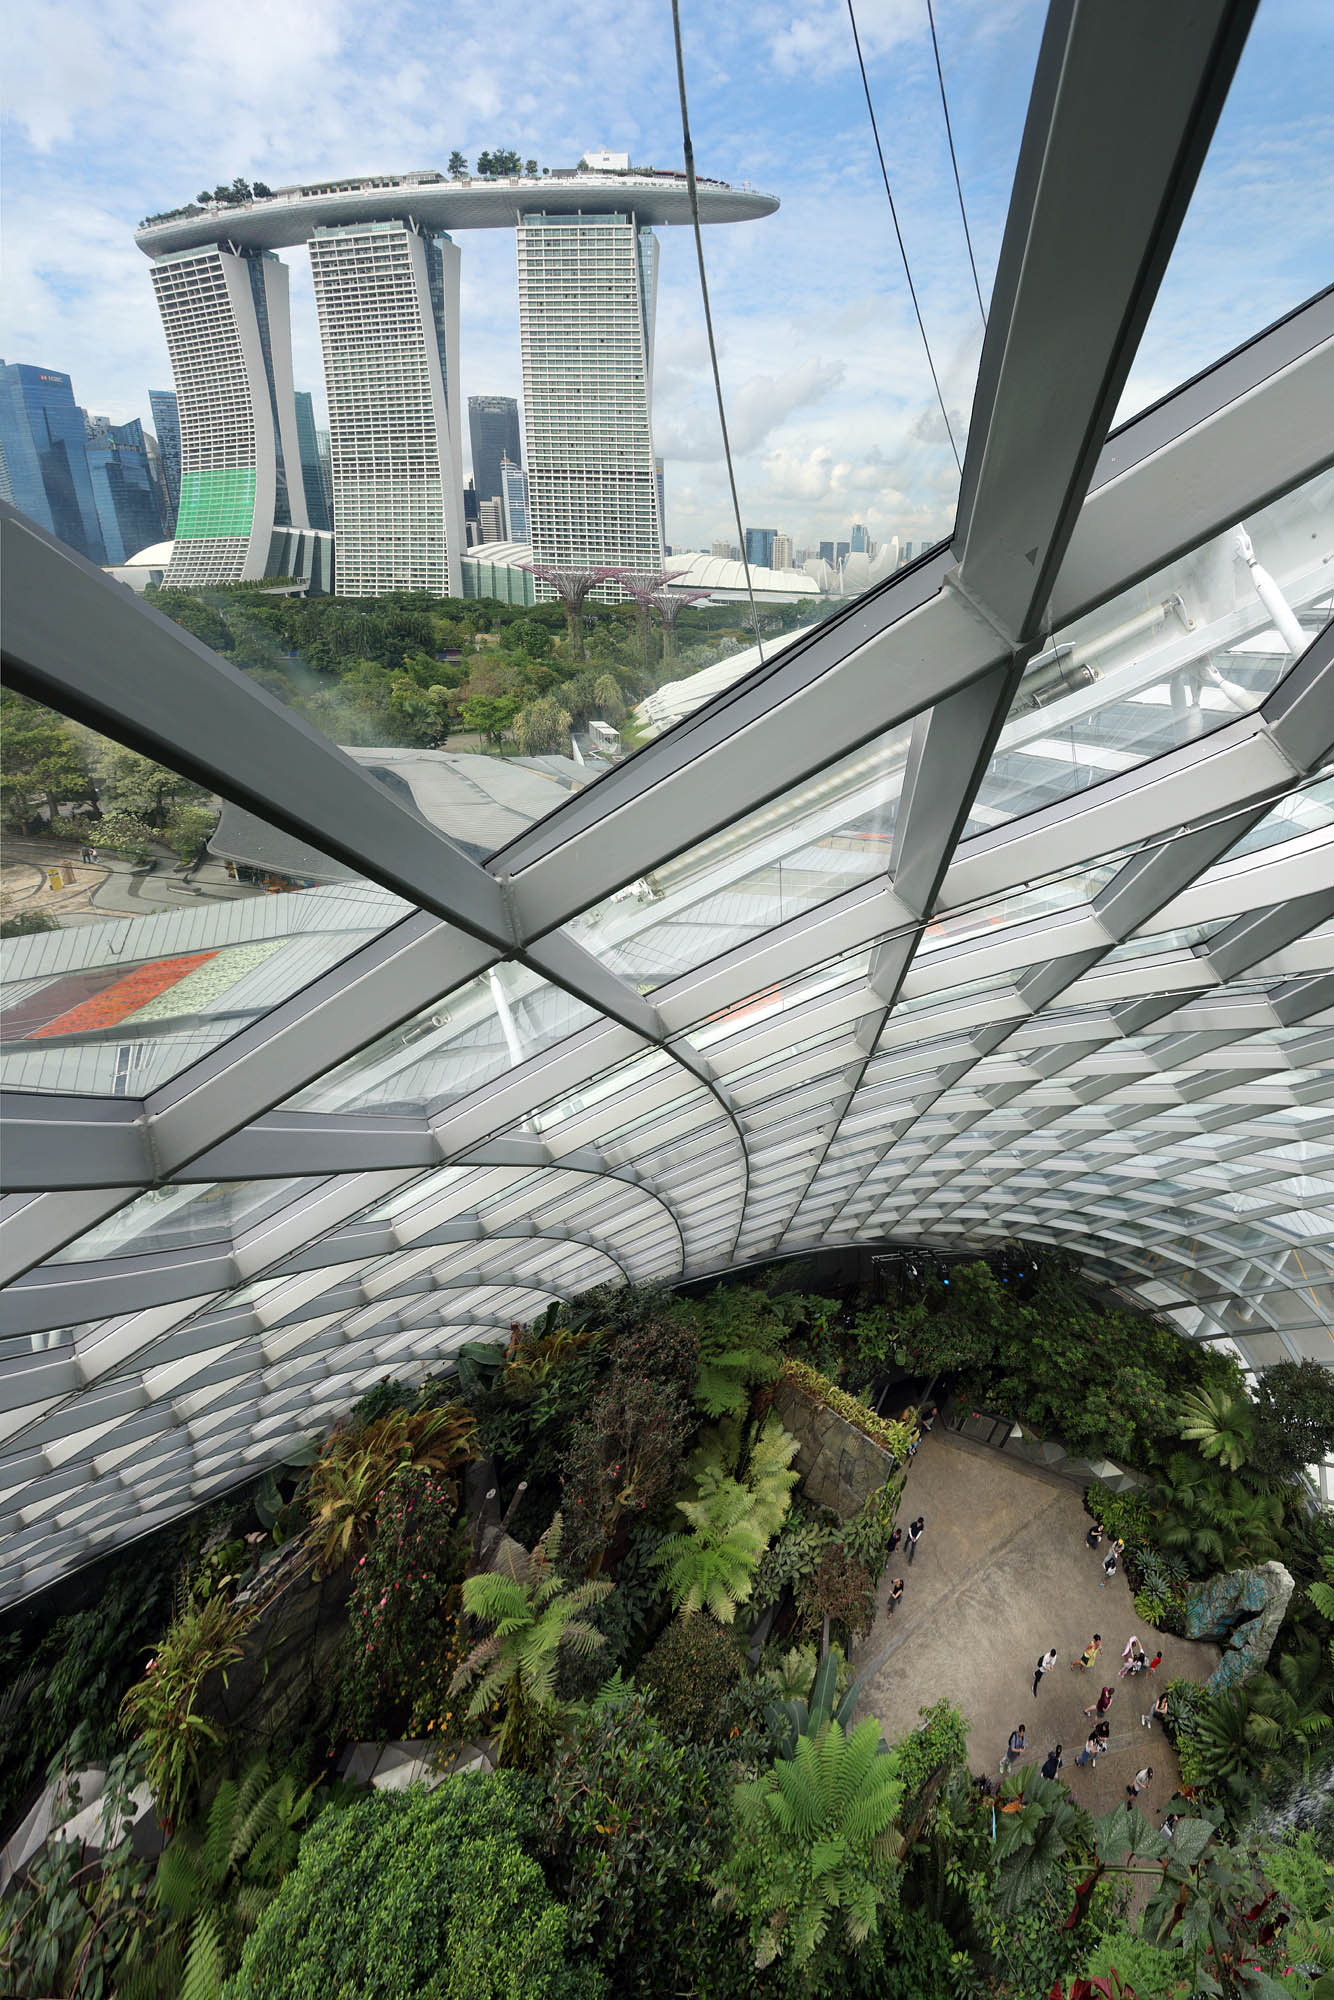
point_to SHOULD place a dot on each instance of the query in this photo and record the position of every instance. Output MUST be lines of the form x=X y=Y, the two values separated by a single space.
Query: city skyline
x=830 y=407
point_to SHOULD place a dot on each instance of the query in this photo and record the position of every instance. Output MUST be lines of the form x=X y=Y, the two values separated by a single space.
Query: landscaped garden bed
x=645 y=1629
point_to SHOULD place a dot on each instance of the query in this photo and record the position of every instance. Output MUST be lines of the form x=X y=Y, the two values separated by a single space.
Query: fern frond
x=203 y=1968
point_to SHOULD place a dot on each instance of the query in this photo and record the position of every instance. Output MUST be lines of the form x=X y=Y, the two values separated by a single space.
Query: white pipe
x=1269 y=594
x=507 y=1027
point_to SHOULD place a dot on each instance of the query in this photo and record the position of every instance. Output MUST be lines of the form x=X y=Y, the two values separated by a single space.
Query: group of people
x=1134 y=1660
x=915 y=1531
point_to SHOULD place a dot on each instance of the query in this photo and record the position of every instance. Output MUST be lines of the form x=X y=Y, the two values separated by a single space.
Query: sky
x=120 y=109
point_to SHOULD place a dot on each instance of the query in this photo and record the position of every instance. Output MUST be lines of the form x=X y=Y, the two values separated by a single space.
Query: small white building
x=600 y=161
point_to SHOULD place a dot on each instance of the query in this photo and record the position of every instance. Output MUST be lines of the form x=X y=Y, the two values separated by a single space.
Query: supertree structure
x=572 y=587
x=651 y=591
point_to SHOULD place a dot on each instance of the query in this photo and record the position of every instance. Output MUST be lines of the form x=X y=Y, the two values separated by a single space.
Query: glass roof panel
x=174 y=1218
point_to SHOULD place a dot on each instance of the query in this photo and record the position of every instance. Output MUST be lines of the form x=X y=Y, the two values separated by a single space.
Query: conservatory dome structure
x=998 y=906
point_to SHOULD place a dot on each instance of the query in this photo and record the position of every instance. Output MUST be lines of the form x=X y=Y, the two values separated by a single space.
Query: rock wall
x=284 y=1681
x=1242 y=1611
x=840 y=1466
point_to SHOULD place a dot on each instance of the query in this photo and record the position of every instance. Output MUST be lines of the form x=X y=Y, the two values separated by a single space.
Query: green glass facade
x=216 y=503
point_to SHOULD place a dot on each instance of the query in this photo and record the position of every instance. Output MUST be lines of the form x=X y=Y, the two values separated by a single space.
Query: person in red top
x=1156 y=1661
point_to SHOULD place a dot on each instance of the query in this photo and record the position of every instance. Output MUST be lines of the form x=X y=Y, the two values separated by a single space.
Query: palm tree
x=1221 y=1422
x=814 y=1836
x=1295 y=1700
x=713 y=1566
x=533 y=1613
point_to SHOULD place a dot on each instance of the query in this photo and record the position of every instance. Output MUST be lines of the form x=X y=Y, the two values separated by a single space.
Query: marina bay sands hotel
x=386 y=278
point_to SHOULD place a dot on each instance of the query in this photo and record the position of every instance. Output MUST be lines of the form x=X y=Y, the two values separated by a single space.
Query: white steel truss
x=1000 y=905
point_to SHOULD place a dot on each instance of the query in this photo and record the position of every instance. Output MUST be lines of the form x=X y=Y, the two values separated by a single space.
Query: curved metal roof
x=293 y=215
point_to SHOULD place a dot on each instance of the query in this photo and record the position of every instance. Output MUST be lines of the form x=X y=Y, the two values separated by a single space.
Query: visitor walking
x=1154 y=1663
x=1102 y=1730
x=1052 y=1762
x=1109 y=1564
x=1044 y=1666
x=1090 y=1752
x=894 y=1541
x=915 y=1535
x=1157 y=1713
x=1140 y=1782
x=895 y=1597
x=1101 y=1705
x=1089 y=1654
x=1094 y=1535
x=928 y=1421
x=1014 y=1750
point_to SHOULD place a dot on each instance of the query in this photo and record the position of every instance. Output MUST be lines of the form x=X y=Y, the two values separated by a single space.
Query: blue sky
x=121 y=108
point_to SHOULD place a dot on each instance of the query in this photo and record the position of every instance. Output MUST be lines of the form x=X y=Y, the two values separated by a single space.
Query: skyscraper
x=229 y=337
x=782 y=552
x=42 y=439
x=827 y=553
x=493 y=431
x=660 y=481
x=387 y=294
x=587 y=294
x=760 y=547
x=312 y=469
x=492 y=514
x=167 y=424
x=858 y=541
x=514 y=501
x=125 y=494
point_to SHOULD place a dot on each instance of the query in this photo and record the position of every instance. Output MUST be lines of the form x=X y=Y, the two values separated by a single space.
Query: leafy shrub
x=687 y=1675
x=841 y=1590
x=354 y=1467
x=378 y=1402
x=163 y=1708
x=814 y=1837
x=405 y=1600
x=1127 y=1517
x=939 y=1741
x=714 y=1563
x=738 y=1333
x=412 y=1893
x=624 y=1460
x=791 y=1558
x=29 y=923
x=635 y=1822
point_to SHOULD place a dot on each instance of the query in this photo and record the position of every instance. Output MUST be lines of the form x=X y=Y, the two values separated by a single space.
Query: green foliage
x=814 y=1838
x=841 y=1590
x=819 y=1702
x=187 y=828
x=739 y=1332
x=29 y=923
x=73 y=1927
x=124 y=833
x=1294 y=1420
x=405 y=1596
x=533 y=1614
x=381 y=1401
x=41 y=762
x=355 y=1466
x=635 y=1822
x=542 y=726
x=413 y=1893
x=713 y=1565
x=689 y=1674
x=791 y=1559
x=624 y=1458
x=215 y=1880
x=163 y=1708
x=1221 y=1423
x=939 y=1743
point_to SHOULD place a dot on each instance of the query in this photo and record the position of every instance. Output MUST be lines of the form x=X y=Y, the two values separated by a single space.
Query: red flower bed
x=132 y=991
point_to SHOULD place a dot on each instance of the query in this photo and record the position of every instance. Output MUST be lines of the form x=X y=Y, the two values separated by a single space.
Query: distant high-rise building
x=760 y=547
x=660 y=481
x=721 y=548
x=167 y=424
x=312 y=471
x=782 y=552
x=325 y=450
x=46 y=461
x=905 y=553
x=859 y=543
x=129 y=508
x=827 y=553
x=493 y=429
x=492 y=520
x=587 y=300
x=841 y=551
x=229 y=337
x=514 y=501
x=387 y=294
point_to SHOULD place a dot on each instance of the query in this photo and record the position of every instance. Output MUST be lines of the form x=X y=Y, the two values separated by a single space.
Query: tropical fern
x=738 y=1332
x=814 y=1836
x=713 y=1566
x=770 y=1476
x=533 y=1613
x=1221 y=1422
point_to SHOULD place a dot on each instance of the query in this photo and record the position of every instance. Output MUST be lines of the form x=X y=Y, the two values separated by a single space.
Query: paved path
x=1002 y=1573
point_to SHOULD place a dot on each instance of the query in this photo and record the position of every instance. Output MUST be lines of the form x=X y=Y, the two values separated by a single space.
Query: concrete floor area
x=1002 y=1573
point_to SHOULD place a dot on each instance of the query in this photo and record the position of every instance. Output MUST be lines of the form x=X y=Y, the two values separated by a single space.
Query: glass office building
x=125 y=488
x=46 y=465
x=493 y=434
x=999 y=904
x=167 y=425
x=318 y=509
